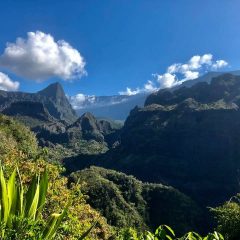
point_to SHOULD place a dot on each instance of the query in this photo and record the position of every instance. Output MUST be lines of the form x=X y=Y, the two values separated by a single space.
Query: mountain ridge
x=52 y=97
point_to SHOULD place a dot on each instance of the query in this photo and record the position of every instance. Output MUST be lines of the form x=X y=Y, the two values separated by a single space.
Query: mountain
x=50 y=115
x=86 y=134
x=118 y=107
x=114 y=107
x=188 y=138
x=53 y=99
x=206 y=78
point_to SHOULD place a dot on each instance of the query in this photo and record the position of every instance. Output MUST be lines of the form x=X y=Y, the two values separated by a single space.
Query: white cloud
x=39 y=57
x=130 y=92
x=166 y=80
x=7 y=84
x=189 y=75
x=219 y=64
x=178 y=73
x=206 y=59
x=80 y=100
x=150 y=86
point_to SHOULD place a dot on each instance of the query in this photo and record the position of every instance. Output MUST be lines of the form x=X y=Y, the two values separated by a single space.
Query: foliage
x=228 y=218
x=80 y=215
x=164 y=232
x=127 y=233
x=21 y=209
x=16 y=140
x=128 y=202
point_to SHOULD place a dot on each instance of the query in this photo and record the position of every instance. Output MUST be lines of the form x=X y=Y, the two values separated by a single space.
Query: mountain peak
x=57 y=102
x=54 y=90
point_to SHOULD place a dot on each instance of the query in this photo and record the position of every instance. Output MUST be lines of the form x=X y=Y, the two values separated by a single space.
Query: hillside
x=126 y=202
x=188 y=138
x=50 y=115
x=19 y=148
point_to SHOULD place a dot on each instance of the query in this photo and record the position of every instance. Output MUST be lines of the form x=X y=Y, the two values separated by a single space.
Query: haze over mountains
x=118 y=107
x=56 y=103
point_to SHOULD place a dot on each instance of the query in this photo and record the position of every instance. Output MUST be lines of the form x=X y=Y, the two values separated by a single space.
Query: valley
x=166 y=165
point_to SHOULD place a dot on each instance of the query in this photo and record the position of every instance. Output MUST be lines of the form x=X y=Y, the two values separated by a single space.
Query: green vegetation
x=21 y=209
x=105 y=204
x=164 y=232
x=128 y=202
x=228 y=218
x=18 y=147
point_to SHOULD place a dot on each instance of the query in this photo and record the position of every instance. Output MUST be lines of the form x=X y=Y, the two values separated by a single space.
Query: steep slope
x=55 y=100
x=188 y=138
x=99 y=132
x=126 y=201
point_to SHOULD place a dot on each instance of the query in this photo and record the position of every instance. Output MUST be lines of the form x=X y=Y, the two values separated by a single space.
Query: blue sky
x=124 y=42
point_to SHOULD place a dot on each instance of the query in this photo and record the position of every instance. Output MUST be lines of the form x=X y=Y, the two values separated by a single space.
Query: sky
x=113 y=47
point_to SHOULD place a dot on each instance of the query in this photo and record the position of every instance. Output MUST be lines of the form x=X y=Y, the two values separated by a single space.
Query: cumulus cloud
x=80 y=100
x=165 y=80
x=130 y=92
x=219 y=64
x=7 y=84
x=39 y=57
x=150 y=86
x=178 y=73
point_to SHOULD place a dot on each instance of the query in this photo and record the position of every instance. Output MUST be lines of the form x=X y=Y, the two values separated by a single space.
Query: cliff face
x=188 y=138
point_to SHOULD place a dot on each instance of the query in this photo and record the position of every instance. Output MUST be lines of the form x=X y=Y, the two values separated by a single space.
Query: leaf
x=53 y=224
x=49 y=229
x=164 y=232
x=12 y=195
x=4 y=197
x=43 y=186
x=11 y=189
x=88 y=231
x=34 y=203
x=30 y=195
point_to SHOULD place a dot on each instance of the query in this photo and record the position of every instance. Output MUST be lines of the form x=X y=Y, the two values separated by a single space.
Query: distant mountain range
x=118 y=107
x=111 y=107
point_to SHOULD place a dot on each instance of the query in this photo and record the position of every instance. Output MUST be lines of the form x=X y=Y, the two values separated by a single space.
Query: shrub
x=228 y=218
x=21 y=209
x=164 y=232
